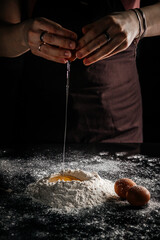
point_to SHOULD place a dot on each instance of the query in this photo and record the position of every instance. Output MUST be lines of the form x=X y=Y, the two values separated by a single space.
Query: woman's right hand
x=58 y=42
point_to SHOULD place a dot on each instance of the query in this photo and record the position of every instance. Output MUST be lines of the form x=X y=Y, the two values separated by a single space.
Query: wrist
x=152 y=14
x=135 y=21
x=12 y=40
x=141 y=19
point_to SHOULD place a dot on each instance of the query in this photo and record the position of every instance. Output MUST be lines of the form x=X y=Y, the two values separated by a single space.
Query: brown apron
x=105 y=98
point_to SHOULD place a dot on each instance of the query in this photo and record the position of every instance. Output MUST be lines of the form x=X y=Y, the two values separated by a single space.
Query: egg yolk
x=63 y=178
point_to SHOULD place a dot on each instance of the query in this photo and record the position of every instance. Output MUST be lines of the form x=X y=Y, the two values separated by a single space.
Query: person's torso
x=92 y=89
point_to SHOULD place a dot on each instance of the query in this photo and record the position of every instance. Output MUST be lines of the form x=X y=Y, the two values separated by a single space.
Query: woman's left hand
x=122 y=28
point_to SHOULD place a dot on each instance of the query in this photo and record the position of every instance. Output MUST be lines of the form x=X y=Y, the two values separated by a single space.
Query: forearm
x=12 y=39
x=152 y=14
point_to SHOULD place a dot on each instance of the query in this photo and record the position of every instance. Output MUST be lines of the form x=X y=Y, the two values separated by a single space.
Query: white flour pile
x=67 y=196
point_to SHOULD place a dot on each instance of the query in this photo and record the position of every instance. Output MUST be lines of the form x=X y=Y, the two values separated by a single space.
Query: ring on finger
x=107 y=36
x=42 y=36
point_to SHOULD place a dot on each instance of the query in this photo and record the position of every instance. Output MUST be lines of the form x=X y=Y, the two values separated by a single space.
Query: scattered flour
x=68 y=196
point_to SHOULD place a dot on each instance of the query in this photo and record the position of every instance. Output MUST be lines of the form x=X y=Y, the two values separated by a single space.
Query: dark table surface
x=21 y=218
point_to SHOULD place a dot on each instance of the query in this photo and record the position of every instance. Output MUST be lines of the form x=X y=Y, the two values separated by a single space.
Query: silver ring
x=42 y=36
x=39 y=48
x=107 y=36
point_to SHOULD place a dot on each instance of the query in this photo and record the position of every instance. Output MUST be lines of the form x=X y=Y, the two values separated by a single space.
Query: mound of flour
x=91 y=191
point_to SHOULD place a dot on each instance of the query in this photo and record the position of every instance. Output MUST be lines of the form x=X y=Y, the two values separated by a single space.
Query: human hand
x=58 y=42
x=121 y=27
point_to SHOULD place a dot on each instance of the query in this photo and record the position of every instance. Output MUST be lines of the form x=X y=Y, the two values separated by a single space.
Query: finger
x=88 y=37
x=52 y=51
x=92 y=31
x=121 y=48
x=52 y=27
x=49 y=57
x=59 y=41
x=55 y=51
x=86 y=28
x=34 y=38
x=92 y=46
x=105 y=50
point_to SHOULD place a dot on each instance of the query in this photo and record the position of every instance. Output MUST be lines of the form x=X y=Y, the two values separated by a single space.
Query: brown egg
x=138 y=196
x=122 y=185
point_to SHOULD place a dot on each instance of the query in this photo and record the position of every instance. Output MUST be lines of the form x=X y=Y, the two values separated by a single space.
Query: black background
x=149 y=74
x=148 y=64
